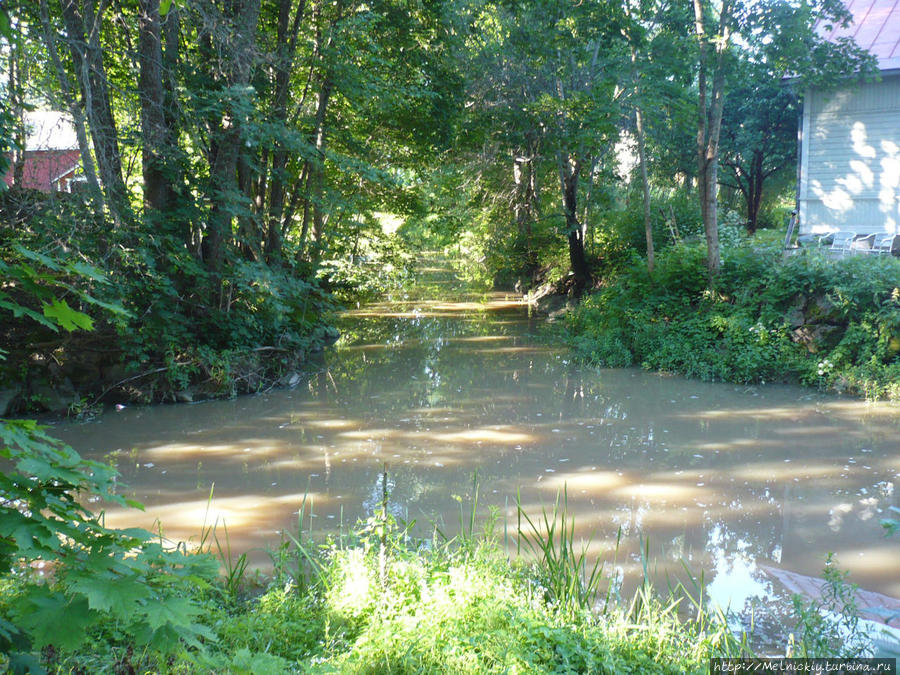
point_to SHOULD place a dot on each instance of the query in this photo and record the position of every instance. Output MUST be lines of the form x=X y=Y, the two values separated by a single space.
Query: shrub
x=97 y=577
x=767 y=319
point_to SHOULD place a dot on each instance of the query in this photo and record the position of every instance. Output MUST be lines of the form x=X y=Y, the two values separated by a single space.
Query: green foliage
x=34 y=282
x=386 y=603
x=383 y=602
x=571 y=586
x=675 y=217
x=827 y=627
x=458 y=606
x=823 y=322
x=367 y=265
x=167 y=319
x=97 y=576
x=758 y=142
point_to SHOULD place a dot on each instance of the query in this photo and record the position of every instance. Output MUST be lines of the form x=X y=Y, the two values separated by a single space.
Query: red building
x=52 y=158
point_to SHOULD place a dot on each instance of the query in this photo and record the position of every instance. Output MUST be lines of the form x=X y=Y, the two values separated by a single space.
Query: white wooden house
x=849 y=176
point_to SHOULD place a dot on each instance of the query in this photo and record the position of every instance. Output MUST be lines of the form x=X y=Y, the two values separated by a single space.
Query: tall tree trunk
x=16 y=104
x=587 y=224
x=286 y=34
x=83 y=30
x=645 y=186
x=569 y=168
x=754 y=191
x=223 y=193
x=249 y=236
x=522 y=213
x=65 y=86
x=170 y=33
x=237 y=45
x=709 y=123
x=535 y=210
x=317 y=166
x=315 y=180
x=156 y=135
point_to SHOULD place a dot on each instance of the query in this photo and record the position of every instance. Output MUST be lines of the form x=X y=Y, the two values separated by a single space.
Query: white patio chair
x=841 y=242
x=886 y=243
x=863 y=243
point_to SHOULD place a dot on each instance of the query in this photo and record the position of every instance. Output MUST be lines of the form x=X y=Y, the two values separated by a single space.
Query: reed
x=570 y=582
x=234 y=569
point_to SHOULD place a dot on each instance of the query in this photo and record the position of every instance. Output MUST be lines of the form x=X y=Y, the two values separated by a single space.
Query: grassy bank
x=828 y=323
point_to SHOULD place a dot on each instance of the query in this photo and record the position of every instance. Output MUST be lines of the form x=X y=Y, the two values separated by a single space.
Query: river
x=731 y=482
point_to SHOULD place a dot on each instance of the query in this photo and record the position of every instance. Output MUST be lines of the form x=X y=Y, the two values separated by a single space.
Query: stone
x=53 y=399
x=7 y=399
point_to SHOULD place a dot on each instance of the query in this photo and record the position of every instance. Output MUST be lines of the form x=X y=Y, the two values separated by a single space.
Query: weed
x=570 y=583
x=828 y=626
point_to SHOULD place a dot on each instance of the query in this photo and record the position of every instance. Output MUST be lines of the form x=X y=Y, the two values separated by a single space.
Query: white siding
x=850 y=160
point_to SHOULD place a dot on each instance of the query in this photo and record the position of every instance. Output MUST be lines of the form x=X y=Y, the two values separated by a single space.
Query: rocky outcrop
x=815 y=322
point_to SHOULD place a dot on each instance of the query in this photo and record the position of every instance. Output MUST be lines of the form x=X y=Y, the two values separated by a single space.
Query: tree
x=83 y=20
x=659 y=75
x=780 y=38
x=545 y=81
x=759 y=139
x=711 y=73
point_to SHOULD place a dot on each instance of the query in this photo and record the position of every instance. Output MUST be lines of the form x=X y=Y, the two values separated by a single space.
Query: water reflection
x=725 y=479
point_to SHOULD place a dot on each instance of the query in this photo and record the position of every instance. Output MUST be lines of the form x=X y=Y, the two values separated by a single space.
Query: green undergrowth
x=833 y=324
x=78 y=597
x=155 y=322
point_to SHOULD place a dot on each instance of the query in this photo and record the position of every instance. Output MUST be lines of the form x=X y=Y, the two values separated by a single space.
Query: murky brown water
x=729 y=479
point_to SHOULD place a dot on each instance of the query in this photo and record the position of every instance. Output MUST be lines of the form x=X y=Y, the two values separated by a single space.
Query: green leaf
x=86 y=270
x=19 y=311
x=22 y=664
x=32 y=539
x=65 y=316
x=46 y=261
x=171 y=611
x=52 y=619
x=164 y=7
x=109 y=593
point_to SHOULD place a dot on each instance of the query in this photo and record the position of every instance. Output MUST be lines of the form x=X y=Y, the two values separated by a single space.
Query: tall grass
x=234 y=569
x=570 y=582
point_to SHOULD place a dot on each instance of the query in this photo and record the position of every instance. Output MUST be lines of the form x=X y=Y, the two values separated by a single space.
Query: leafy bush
x=173 y=321
x=65 y=574
x=767 y=319
x=96 y=577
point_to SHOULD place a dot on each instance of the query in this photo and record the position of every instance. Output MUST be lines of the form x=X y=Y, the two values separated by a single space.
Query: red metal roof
x=876 y=28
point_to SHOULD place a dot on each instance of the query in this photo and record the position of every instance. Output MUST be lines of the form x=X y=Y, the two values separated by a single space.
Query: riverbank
x=91 y=374
x=97 y=312
x=808 y=319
